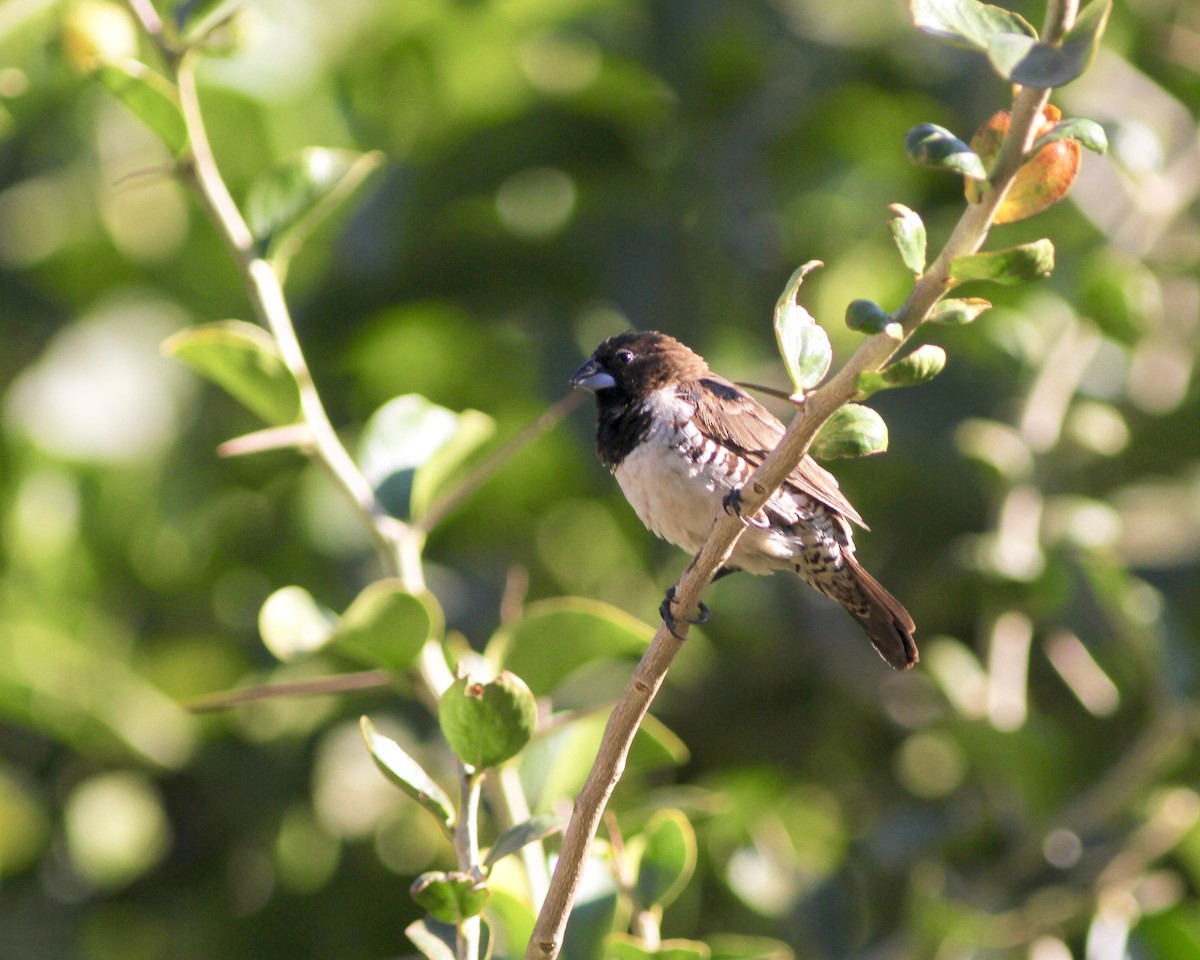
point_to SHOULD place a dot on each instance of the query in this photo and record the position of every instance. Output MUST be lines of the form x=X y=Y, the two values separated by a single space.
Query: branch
x=967 y=237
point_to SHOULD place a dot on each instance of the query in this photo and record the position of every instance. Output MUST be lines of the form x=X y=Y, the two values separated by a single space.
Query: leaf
x=472 y=431
x=518 y=835
x=435 y=940
x=292 y=624
x=487 y=723
x=625 y=946
x=852 y=431
x=803 y=345
x=866 y=316
x=967 y=22
x=407 y=774
x=928 y=145
x=1042 y=180
x=668 y=859
x=958 y=310
x=1024 y=60
x=151 y=97
x=1087 y=133
x=385 y=626
x=557 y=763
x=245 y=361
x=450 y=897
x=285 y=203
x=1028 y=261
x=908 y=230
x=920 y=366
x=402 y=437
x=556 y=637
x=732 y=946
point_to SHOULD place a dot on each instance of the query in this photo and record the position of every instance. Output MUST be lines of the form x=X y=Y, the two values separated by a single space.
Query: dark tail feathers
x=887 y=624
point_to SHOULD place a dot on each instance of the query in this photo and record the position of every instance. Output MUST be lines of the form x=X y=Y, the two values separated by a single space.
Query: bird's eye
x=624 y=357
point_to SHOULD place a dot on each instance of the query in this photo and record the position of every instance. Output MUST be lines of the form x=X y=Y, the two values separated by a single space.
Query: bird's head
x=633 y=365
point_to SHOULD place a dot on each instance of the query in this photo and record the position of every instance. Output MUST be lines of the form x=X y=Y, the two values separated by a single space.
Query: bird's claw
x=732 y=503
x=703 y=614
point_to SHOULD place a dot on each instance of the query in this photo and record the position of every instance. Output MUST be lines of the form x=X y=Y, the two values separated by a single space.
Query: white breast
x=678 y=496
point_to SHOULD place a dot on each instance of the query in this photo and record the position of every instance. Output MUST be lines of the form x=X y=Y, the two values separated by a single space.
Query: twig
x=466 y=849
x=497 y=459
x=872 y=355
x=318 y=686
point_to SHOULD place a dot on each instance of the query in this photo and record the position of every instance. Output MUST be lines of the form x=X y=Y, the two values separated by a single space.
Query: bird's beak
x=591 y=377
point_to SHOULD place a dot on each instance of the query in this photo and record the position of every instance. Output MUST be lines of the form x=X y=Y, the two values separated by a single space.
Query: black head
x=632 y=365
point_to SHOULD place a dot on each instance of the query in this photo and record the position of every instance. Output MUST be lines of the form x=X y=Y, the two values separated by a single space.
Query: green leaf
x=803 y=345
x=625 y=946
x=385 y=626
x=285 y=203
x=1026 y=61
x=1087 y=133
x=518 y=835
x=487 y=723
x=558 y=636
x=432 y=478
x=928 y=145
x=407 y=774
x=967 y=23
x=958 y=310
x=668 y=859
x=866 y=316
x=1029 y=261
x=435 y=940
x=908 y=230
x=292 y=624
x=852 y=431
x=151 y=97
x=407 y=434
x=732 y=946
x=450 y=897
x=920 y=366
x=245 y=361
x=557 y=763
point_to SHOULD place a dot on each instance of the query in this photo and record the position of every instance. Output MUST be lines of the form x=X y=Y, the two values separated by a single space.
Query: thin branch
x=318 y=686
x=466 y=849
x=872 y=355
x=497 y=459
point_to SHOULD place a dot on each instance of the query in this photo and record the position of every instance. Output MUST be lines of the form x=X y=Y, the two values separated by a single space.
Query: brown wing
x=736 y=420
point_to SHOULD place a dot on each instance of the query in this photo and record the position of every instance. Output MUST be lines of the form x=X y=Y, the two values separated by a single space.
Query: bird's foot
x=703 y=614
x=732 y=503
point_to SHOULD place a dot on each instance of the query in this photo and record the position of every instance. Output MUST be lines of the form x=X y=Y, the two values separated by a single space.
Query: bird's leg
x=732 y=503
x=703 y=614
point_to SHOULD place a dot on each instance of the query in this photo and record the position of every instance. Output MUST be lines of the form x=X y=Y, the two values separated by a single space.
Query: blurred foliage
x=552 y=171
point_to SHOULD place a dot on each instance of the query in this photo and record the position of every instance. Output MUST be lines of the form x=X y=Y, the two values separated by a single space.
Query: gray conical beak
x=591 y=377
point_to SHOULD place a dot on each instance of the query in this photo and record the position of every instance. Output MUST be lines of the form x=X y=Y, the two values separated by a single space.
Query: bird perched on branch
x=682 y=441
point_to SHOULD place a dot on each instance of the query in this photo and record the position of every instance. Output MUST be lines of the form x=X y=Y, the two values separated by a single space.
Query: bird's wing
x=736 y=420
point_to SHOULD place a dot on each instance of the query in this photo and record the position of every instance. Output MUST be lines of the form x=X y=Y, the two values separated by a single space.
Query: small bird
x=682 y=441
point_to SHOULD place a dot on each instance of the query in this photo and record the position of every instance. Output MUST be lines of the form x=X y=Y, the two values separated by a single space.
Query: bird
x=682 y=441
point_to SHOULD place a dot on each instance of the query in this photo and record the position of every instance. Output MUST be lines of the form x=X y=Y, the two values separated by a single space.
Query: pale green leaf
x=1020 y=264
x=407 y=774
x=967 y=23
x=803 y=344
x=928 y=145
x=292 y=624
x=852 y=431
x=151 y=97
x=908 y=230
x=245 y=361
x=286 y=202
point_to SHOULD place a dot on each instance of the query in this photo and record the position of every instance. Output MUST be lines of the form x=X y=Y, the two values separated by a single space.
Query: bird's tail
x=887 y=624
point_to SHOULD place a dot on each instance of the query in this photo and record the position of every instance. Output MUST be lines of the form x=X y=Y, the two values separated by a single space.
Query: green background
x=556 y=171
